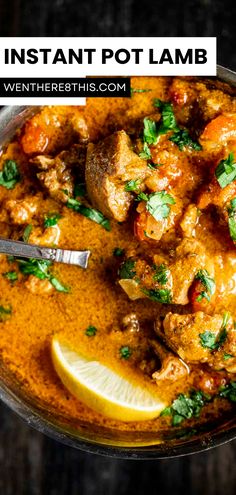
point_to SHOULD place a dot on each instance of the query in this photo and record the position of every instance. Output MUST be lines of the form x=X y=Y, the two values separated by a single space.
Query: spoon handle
x=22 y=249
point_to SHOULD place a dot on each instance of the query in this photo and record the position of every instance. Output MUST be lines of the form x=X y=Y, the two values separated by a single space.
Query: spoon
x=24 y=250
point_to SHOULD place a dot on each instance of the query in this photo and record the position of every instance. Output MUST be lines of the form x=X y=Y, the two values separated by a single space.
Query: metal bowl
x=87 y=436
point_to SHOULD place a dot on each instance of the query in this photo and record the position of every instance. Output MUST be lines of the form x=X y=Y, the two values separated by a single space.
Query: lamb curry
x=148 y=185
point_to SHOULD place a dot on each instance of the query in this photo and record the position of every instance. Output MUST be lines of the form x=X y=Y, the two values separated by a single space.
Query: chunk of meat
x=20 y=211
x=173 y=275
x=56 y=175
x=172 y=367
x=48 y=237
x=184 y=334
x=38 y=286
x=51 y=129
x=109 y=164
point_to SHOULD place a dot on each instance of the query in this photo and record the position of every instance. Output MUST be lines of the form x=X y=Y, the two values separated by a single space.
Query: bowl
x=86 y=436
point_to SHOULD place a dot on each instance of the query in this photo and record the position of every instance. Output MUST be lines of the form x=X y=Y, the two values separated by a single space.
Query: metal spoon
x=18 y=248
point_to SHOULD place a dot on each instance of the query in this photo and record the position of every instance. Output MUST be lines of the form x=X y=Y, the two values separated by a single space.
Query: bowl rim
x=37 y=420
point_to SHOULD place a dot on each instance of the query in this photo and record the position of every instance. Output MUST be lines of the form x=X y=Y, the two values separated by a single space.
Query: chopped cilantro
x=213 y=342
x=227 y=356
x=132 y=185
x=207 y=282
x=226 y=171
x=5 y=312
x=41 y=270
x=127 y=270
x=80 y=190
x=154 y=166
x=11 y=276
x=150 y=131
x=51 y=220
x=27 y=232
x=9 y=175
x=90 y=331
x=91 y=213
x=146 y=153
x=158 y=204
x=183 y=139
x=134 y=90
x=232 y=219
x=125 y=352
x=228 y=391
x=161 y=274
x=158 y=295
x=118 y=251
x=186 y=406
x=168 y=121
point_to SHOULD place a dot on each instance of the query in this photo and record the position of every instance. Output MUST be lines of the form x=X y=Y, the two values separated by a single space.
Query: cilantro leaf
x=158 y=204
x=225 y=172
x=125 y=352
x=161 y=274
x=118 y=251
x=168 y=121
x=51 y=220
x=211 y=341
x=186 y=406
x=132 y=185
x=162 y=296
x=11 y=276
x=91 y=213
x=229 y=391
x=146 y=153
x=5 y=312
x=80 y=190
x=27 y=232
x=127 y=270
x=9 y=175
x=150 y=131
x=232 y=219
x=40 y=269
x=208 y=340
x=154 y=166
x=207 y=282
x=134 y=90
x=183 y=139
x=90 y=331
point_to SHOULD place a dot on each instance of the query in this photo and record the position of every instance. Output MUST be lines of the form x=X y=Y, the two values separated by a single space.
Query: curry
x=148 y=185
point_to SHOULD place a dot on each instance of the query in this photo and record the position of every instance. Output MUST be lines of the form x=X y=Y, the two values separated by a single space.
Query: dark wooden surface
x=30 y=463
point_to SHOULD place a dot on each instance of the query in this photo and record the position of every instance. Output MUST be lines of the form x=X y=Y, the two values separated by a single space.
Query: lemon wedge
x=101 y=388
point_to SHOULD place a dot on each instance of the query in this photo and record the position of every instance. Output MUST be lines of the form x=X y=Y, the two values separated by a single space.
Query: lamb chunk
x=174 y=275
x=21 y=211
x=38 y=286
x=184 y=335
x=172 y=367
x=57 y=173
x=49 y=237
x=109 y=164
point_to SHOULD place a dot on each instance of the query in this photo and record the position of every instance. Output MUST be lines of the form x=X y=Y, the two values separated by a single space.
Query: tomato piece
x=146 y=227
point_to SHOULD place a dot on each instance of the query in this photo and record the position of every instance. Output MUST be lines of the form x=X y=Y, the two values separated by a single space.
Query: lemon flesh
x=101 y=388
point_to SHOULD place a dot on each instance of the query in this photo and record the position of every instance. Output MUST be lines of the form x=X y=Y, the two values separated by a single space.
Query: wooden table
x=30 y=463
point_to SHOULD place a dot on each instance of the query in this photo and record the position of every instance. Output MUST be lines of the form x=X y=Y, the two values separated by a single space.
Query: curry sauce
x=159 y=168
